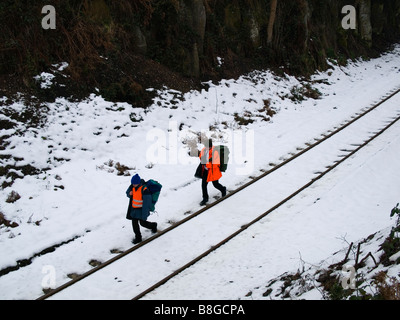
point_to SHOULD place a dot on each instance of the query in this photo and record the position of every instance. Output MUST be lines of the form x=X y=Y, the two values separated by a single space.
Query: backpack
x=223 y=156
x=155 y=188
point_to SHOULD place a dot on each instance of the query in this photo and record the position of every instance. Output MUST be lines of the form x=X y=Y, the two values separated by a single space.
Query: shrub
x=13 y=196
x=6 y=222
x=392 y=243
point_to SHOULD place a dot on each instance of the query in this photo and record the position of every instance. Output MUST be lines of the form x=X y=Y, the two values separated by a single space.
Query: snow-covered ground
x=81 y=197
x=347 y=205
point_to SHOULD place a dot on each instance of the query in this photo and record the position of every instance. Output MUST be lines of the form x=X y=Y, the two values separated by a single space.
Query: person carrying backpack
x=139 y=207
x=210 y=160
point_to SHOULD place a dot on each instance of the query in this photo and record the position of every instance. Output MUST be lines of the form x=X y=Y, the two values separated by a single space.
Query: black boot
x=204 y=202
x=154 y=229
x=137 y=240
x=223 y=192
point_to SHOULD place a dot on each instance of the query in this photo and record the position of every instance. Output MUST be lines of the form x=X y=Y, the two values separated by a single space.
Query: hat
x=136 y=179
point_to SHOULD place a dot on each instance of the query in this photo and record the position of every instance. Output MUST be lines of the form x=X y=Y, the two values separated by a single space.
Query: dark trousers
x=143 y=223
x=204 y=184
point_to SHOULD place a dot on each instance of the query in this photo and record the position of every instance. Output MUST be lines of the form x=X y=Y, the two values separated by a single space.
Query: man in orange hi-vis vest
x=139 y=207
x=211 y=172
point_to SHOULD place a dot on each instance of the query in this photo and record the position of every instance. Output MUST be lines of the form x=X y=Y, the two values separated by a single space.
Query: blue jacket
x=142 y=213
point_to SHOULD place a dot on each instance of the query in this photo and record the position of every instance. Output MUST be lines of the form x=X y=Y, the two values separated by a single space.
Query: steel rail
x=325 y=137
x=246 y=226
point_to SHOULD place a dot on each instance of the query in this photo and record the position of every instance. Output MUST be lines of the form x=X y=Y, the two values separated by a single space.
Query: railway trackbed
x=141 y=269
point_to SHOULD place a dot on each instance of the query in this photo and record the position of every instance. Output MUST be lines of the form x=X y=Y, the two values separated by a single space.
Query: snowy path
x=136 y=272
x=80 y=196
x=349 y=204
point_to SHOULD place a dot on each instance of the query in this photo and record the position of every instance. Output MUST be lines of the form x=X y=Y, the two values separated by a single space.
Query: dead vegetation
x=361 y=275
x=111 y=166
x=13 y=197
x=7 y=223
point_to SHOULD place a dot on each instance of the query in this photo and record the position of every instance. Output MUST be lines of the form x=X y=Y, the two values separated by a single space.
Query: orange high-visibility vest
x=137 y=197
x=213 y=164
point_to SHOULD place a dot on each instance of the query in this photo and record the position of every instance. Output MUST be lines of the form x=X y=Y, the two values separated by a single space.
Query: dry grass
x=7 y=223
x=388 y=287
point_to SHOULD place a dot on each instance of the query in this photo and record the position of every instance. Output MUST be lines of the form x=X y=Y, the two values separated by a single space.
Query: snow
x=343 y=207
x=46 y=79
x=80 y=197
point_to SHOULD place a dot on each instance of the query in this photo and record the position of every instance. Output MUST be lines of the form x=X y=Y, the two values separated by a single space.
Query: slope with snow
x=140 y=269
x=347 y=205
x=80 y=196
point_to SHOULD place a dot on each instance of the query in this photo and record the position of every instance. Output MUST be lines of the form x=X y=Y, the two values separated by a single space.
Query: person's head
x=135 y=181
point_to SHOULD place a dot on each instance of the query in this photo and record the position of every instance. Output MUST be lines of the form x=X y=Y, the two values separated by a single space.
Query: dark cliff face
x=124 y=46
x=299 y=36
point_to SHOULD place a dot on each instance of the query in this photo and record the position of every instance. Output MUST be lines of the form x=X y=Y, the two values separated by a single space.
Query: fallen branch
x=347 y=254
x=366 y=257
x=358 y=253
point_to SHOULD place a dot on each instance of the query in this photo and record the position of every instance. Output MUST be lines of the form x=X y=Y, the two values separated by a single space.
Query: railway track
x=122 y=273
